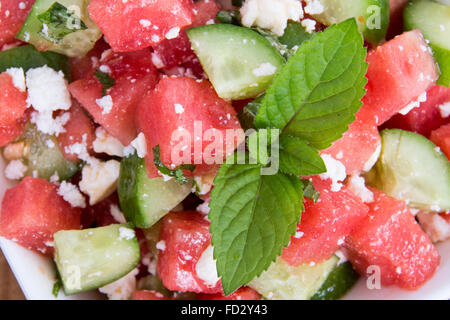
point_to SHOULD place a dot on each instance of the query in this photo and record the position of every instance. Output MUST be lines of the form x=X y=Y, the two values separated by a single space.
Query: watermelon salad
x=227 y=150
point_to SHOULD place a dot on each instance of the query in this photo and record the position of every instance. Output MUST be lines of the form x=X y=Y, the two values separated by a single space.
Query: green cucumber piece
x=433 y=19
x=338 y=283
x=144 y=201
x=412 y=168
x=27 y=57
x=91 y=258
x=284 y=282
x=43 y=157
x=240 y=63
x=75 y=44
x=372 y=16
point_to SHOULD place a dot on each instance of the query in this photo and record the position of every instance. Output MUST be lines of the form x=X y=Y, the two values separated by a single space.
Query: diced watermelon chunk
x=33 y=211
x=185 y=236
x=425 y=118
x=396 y=19
x=148 y=295
x=399 y=72
x=134 y=75
x=441 y=137
x=244 y=293
x=324 y=224
x=358 y=147
x=391 y=239
x=81 y=67
x=12 y=16
x=135 y=24
x=13 y=104
x=100 y=213
x=172 y=108
x=79 y=129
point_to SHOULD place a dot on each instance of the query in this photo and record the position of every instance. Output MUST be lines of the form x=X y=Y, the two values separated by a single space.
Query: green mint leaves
x=58 y=22
x=176 y=173
x=105 y=79
x=315 y=96
x=312 y=101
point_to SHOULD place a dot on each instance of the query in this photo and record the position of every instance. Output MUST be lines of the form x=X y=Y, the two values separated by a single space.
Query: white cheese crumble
x=15 y=170
x=71 y=194
x=126 y=233
x=140 y=145
x=161 y=245
x=265 y=69
x=173 y=33
x=271 y=14
x=121 y=289
x=99 y=179
x=335 y=171
x=106 y=103
x=434 y=225
x=178 y=108
x=309 y=25
x=157 y=61
x=204 y=183
x=314 y=7
x=18 y=77
x=206 y=268
x=47 y=124
x=145 y=23
x=373 y=159
x=445 y=109
x=414 y=104
x=105 y=143
x=117 y=214
x=203 y=208
x=357 y=185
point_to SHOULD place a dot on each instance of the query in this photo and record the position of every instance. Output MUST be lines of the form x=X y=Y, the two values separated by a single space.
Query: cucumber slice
x=372 y=16
x=75 y=44
x=338 y=283
x=143 y=200
x=433 y=19
x=284 y=282
x=239 y=62
x=91 y=258
x=412 y=168
x=27 y=57
x=43 y=157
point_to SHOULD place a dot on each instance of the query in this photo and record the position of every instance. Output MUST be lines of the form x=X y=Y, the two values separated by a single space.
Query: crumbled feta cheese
x=314 y=7
x=173 y=33
x=140 y=145
x=270 y=14
x=22 y=5
x=298 y=234
x=79 y=149
x=206 y=268
x=15 y=170
x=373 y=159
x=434 y=225
x=121 y=289
x=126 y=233
x=341 y=256
x=145 y=23
x=71 y=194
x=161 y=245
x=309 y=25
x=335 y=171
x=445 y=109
x=156 y=60
x=414 y=104
x=178 y=108
x=18 y=77
x=47 y=124
x=99 y=179
x=203 y=208
x=117 y=214
x=106 y=103
x=204 y=183
x=357 y=185
x=105 y=143
x=105 y=69
x=265 y=69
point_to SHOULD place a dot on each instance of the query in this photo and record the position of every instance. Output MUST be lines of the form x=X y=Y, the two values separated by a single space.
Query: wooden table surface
x=9 y=289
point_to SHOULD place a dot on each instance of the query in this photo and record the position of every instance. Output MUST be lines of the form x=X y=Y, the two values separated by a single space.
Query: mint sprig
x=312 y=101
x=105 y=79
x=176 y=173
x=316 y=94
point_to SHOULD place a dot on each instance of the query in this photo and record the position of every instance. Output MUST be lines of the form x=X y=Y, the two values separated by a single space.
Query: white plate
x=36 y=274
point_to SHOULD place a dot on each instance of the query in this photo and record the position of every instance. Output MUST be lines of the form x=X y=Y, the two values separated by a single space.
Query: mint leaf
x=58 y=22
x=176 y=173
x=294 y=35
x=298 y=158
x=315 y=95
x=105 y=79
x=252 y=219
x=56 y=287
x=248 y=114
x=309 y=191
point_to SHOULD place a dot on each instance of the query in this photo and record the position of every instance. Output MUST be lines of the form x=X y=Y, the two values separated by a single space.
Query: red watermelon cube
x=391 y=239
x=244 y=293
x=137 y=24
x=441 y=137
x=184 y=237
x=148 y=295
x=13 y=14
x=324 y=224
x=33 y=211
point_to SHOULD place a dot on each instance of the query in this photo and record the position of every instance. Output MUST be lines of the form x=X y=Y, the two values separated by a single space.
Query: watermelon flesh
x=391 y=239
x=396 y=17
x=185 y=236
x=134 y=75
x=324 y=224
x=399 y=72
x=148 y=295
x=425 y=118
x=33 y=211
x=244 y=293
x=135 y=24
x=441 y=137
x=13 y=14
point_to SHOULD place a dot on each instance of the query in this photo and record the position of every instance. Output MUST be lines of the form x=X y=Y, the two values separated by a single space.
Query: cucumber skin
x=338 y=283
x=27 y=57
